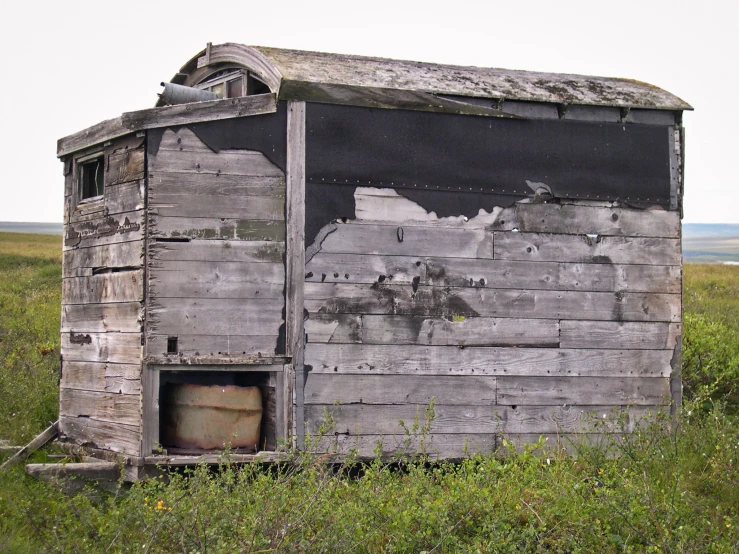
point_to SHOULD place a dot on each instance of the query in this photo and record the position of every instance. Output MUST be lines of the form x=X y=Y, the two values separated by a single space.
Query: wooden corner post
x=295 y=267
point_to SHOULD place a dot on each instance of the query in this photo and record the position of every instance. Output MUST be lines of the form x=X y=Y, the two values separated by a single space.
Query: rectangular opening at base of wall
x=204 y=411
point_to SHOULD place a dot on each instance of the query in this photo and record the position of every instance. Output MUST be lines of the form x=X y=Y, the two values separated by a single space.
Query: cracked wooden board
x=362 y=359
x=460 y=331
x=187 y=316
x=101 y=377
x=94 y=433
x=372 y=419
x=325 y=267
x=581 y=220
x=124 y=409
x=82 y=261
x=204 y=344
x=607 y=334
x=396 y=240
x=216 y=228
x=112 y=229
x=438 y=445
x=225 y=162
x=450 y=302
x=121 y=317
x=193 y=279
x=585 y=249
x=119 y=198
x=473 y=390
x=195 y=250
x=124 y=348
x=559 y=391
x=345 y=389
x=123 y=286
x=164 y=183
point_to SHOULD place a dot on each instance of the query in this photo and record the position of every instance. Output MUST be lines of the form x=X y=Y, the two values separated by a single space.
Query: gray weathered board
x=473 y=360
x=360 y=419
x=325 y=267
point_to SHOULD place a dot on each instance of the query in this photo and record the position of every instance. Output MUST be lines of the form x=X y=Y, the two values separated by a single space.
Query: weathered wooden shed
x=360 y=235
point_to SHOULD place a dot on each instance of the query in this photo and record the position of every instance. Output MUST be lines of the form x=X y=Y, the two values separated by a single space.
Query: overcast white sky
x=67 y=65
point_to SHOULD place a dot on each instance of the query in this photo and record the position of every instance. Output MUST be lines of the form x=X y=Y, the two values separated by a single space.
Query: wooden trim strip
x=184 y=361
x=386 y=98
x=166 y=116
x=295 y=257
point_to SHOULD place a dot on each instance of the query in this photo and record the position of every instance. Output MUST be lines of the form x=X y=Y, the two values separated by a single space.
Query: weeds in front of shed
x=664 y=488
x=667 y=488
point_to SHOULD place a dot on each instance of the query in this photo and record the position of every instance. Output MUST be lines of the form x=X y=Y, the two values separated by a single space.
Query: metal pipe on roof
x=180 y=94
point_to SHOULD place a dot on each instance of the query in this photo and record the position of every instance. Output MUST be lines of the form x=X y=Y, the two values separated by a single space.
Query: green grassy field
x=664 y=489
x=30 y=289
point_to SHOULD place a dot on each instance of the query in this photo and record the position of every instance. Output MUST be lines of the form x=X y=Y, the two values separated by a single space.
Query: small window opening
x=255 y=86
x=91 y=178
x=234 y=84
x=171 y=345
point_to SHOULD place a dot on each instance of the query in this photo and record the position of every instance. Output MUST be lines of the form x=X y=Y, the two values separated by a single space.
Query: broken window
x=91 y=180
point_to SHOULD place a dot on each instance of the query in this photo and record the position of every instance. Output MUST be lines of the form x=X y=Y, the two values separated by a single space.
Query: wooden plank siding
x=220 y=290
x=533 y=319
x=102 y=304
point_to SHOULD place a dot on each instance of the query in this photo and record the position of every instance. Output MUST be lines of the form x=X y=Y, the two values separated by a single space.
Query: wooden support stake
x=49 y=434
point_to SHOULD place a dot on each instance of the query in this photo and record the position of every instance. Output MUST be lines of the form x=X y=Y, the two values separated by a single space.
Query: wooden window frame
x=78 y=176
x=247 y=79
x=224 y=79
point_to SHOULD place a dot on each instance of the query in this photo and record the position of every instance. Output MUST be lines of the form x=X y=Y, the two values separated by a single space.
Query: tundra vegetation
x=673 y=486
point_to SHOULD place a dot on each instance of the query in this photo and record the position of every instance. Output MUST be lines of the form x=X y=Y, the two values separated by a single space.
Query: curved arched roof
x=290 y=73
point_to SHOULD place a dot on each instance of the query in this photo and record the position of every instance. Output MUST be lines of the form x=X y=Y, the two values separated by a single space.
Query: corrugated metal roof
x=281 y=67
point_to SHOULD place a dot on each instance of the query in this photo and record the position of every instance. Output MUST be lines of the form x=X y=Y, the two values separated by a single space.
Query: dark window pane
x=91 y=178
x=235 y=88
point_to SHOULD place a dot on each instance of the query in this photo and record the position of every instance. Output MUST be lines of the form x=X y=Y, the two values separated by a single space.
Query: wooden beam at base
x=47 y=435
x=215 y=458
x=75 y=476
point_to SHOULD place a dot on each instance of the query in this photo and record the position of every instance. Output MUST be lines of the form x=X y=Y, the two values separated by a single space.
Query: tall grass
x=30 y=288
x=665 y=488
